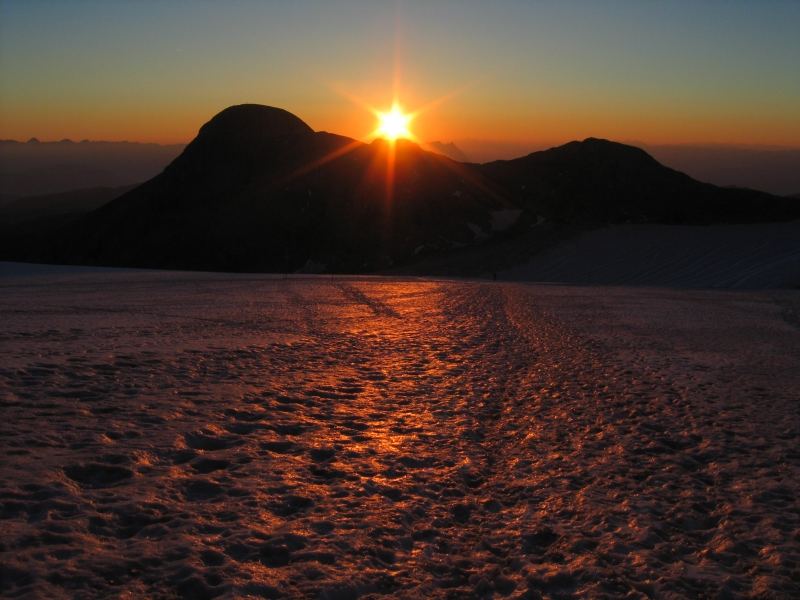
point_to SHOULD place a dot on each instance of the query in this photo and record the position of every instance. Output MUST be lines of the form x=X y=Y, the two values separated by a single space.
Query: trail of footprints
x=419 y=440
x=304 y=450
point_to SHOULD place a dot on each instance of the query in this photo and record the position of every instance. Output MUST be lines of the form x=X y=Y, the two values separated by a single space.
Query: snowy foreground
x=195 y=435
x=752 y=256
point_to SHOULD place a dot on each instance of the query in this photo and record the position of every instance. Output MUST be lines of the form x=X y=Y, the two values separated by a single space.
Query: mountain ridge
x=260 y=190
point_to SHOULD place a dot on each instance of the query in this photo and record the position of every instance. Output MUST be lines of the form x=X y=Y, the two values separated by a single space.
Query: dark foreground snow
x=752 y=256
x=208 y=435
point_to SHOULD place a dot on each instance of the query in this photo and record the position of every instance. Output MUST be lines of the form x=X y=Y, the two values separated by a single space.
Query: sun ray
x=393 y=124
x=441 y=99
x=315 y=164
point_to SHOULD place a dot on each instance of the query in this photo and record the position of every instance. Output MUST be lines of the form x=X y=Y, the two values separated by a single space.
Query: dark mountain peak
x=600 y=181
x=593 y=141
x=245 y=122
x=448 y=149
x=598 y=147
x=596 y=155
x=240 y=142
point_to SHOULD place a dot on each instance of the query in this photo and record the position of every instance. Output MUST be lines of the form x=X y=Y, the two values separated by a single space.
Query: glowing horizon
x=531 y=75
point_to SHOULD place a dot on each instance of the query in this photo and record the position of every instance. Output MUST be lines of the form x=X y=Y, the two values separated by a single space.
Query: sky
x=513 y=72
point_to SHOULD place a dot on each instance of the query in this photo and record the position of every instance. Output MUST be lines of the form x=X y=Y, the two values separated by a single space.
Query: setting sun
x=393 y=124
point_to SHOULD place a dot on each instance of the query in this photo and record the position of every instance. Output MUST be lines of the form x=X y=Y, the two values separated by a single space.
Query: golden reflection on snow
x=336 y=437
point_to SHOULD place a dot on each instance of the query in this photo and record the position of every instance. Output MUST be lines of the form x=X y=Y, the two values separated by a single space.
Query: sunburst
x=394 y=124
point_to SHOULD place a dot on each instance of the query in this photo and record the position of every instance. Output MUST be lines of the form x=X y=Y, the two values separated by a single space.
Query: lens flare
x=393 y=124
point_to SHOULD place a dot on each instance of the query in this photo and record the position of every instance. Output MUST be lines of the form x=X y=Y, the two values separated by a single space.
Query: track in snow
x=211 y=435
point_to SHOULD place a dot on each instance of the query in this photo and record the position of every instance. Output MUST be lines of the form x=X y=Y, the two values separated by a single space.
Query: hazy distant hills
x=448 y=149
x=774 y=170
x=53 y=206
x=259 y=190
x=36 y=168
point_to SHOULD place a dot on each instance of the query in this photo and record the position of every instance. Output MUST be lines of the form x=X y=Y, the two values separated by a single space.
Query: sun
x=393 y=124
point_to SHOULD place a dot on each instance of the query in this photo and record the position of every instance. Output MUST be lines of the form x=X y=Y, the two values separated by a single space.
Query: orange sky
x=546 y=73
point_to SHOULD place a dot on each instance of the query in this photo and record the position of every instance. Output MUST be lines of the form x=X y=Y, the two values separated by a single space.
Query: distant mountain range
x=448 y=149
x=60 y=206
x=259 y=190
x=37 y=168
x=775 y=170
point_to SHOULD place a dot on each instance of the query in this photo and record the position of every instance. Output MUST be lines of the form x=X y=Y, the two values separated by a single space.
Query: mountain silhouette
x=259 y=190
x=31 y=209
x=448 y=149
x=770 y=169
x=599 y=181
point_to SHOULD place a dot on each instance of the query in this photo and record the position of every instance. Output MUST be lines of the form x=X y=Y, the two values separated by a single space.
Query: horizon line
x=518 y=143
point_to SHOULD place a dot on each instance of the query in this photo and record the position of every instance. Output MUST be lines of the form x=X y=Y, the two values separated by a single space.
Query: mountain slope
x=259 y=190
x=37 y=168
x=448 y=149
x=773 y=170
x=598 y=181
x=72 y=203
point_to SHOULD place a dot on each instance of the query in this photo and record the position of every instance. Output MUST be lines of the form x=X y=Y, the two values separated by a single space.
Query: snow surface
x=753 y=256
x=202 y=435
